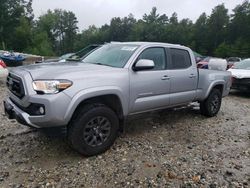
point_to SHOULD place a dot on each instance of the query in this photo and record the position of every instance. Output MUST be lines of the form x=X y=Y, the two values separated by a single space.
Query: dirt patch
x=169 y=148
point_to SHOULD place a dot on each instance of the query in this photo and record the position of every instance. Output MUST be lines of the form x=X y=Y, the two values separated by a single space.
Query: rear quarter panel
x=208 y=79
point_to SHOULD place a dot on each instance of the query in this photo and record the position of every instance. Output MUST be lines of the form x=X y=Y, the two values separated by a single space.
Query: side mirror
x=144 y=64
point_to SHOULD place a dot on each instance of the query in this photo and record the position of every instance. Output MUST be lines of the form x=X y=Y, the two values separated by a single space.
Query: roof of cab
x=150 y=43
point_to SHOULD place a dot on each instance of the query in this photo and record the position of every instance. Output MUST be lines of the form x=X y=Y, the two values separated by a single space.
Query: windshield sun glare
x=114 y=55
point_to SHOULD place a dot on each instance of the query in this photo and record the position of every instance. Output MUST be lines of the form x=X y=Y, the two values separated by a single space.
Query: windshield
x=114 y=55
x=245 y=64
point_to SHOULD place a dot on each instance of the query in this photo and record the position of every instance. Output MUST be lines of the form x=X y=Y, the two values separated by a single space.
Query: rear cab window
x=180 y=59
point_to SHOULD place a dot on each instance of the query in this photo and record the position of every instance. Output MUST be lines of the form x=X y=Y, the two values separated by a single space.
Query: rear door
x=183 y=75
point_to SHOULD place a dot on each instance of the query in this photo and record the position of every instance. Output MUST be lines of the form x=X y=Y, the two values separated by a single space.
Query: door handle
x=165 y=77
x=192 y=76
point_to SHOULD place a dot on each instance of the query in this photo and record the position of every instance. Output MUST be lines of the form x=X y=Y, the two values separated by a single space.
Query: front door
x=149 y=89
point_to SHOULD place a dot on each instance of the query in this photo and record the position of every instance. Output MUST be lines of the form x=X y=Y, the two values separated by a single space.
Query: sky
x=100 y=12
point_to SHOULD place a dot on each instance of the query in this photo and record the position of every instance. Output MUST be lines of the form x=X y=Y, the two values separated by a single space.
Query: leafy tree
x=61 y=28
x=217 y=27
x=41 y=44
x=223 y=50
x=241 y=48
x=200 y=34
x=23 y=35
x=120 y=28
x=89 y=36
x=173 y=19
x=65 y=30
x=239 y=26
x=171 y=32
x=151 y=27
x=56 y=32
x=12 y=11
x=46 y=23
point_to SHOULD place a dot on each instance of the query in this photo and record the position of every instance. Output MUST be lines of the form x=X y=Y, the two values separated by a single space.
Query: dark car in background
x=232 y=60
x=73 y=56
x=203 y=64
x=82 y=53
x=63 y=57
x=198 y=57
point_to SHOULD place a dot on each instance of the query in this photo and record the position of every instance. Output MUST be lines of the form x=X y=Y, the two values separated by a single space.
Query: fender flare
x=212 y=85
x=94 y=92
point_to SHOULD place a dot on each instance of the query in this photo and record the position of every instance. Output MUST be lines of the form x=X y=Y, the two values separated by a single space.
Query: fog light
x=41 y=110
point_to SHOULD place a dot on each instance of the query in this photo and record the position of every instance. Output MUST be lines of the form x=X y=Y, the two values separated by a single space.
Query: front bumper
x=13 y=112
x=55 y=109
x=241 y=84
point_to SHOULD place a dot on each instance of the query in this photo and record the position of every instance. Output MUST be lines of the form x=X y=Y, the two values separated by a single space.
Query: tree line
x=56 y=32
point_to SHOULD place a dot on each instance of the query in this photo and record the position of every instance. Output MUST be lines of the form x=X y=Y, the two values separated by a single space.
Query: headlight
x=51 y=86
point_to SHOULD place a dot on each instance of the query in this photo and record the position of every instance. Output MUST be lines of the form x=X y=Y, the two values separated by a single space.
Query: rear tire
x=211 y=106
x=93 y=129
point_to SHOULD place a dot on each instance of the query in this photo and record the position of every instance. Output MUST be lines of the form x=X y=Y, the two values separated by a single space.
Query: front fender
x=95 y=92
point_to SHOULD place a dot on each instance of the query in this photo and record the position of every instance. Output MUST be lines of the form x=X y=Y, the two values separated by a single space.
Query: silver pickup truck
x=92 y=98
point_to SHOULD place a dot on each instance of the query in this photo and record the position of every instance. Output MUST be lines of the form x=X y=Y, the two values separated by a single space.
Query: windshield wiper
x=70 y=59
x=102 y=64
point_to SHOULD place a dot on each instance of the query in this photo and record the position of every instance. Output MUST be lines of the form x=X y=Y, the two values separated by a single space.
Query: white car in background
x=3 y=70
x=241 y=75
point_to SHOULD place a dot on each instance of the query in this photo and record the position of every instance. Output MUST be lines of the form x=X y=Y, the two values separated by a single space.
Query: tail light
x=2 y=64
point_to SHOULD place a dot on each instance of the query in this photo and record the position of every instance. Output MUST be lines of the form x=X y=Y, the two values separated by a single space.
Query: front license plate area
x=8 y=110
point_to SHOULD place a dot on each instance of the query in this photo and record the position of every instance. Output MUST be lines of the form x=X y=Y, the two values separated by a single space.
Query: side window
x=155 y=54
x=180 y=59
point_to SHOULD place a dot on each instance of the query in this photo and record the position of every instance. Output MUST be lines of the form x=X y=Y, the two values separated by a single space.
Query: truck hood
x=65 y=70
x=240 y=73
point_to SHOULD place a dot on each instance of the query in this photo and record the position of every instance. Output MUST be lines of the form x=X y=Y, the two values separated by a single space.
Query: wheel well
x=112 y=101
x=219 y=87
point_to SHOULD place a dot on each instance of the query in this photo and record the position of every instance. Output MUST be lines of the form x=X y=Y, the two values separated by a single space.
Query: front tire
x=93 y=129
x=211 y=106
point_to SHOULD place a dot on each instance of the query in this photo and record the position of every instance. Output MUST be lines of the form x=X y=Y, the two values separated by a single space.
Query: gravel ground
x=170 y=148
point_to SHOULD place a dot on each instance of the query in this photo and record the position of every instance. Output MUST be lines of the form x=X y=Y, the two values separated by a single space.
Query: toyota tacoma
x=92 y=98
